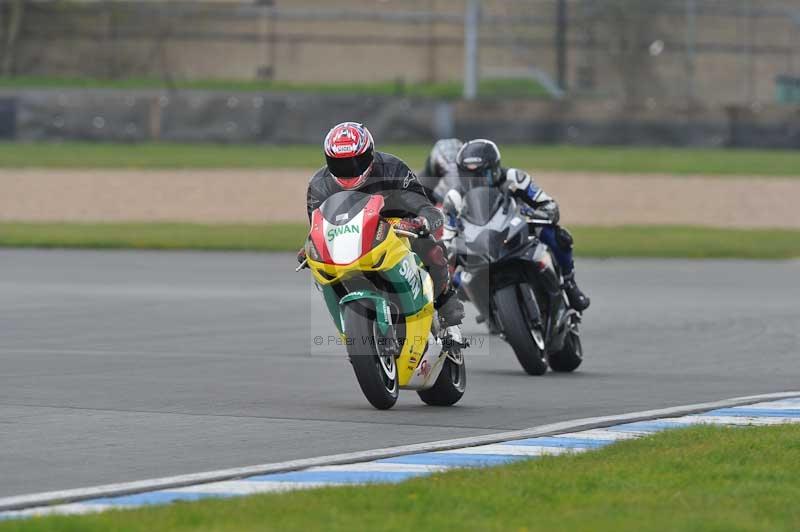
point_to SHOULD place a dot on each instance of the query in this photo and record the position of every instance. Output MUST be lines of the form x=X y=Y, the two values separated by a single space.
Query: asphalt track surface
x=118 y=366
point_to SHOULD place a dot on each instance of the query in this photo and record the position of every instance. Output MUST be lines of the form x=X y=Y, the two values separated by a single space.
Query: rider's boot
x=577 y=299
x=451 y=310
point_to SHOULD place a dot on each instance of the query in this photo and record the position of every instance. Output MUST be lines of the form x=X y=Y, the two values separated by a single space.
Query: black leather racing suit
x=404 y=197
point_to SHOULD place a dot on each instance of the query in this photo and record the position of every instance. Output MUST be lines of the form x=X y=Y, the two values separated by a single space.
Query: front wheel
x=449 y=386
x=517 y=330
x=570 y=356
x=376 y=372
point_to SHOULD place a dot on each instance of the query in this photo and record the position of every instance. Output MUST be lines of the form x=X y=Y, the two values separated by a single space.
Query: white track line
x=515 y=450
x=247 y=487
x=738 y=420
x=600 y=435
x=385 y=467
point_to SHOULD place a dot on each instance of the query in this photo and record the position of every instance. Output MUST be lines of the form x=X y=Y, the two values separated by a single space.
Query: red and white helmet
x=349 y=152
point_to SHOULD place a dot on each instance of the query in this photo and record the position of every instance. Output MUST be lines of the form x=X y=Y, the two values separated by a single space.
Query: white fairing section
x=434 y=359
x=344 y=241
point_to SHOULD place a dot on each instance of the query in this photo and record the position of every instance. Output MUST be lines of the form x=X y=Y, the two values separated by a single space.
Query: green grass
x=488 y=88
x=686 y=242
x=600 y=242
x=698 y=479
x=531 y=157
x=232 y=237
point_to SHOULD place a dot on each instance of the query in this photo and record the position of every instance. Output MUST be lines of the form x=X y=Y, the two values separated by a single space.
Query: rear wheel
x=570 y=356
x=449 y=386
x=518 y=332
x=375 y=370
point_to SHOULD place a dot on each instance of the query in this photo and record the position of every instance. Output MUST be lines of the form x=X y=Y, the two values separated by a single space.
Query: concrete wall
x=112 y=115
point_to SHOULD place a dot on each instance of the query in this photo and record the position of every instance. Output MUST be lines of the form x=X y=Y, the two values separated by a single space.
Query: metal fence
x=639 y=52
x=686 y=72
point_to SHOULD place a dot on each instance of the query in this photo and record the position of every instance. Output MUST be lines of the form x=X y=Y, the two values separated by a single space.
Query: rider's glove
x=542 y=214
x=451 y=208
x=301 y=255
x=537 y=214
x=418 y=226
x=517 y=179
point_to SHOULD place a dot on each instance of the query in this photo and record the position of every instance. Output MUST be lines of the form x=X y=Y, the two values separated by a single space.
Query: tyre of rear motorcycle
x=517 y=330
x=376 y=373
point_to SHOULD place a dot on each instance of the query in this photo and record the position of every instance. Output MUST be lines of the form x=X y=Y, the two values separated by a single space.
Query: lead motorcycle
x=381 y=300
x=514 y=281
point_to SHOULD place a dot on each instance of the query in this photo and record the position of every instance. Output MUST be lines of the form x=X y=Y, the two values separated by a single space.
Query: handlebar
x=406 y=233
x=529 y=213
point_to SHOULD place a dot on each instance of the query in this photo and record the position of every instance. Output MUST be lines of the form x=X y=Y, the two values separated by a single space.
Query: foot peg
x=453 y=341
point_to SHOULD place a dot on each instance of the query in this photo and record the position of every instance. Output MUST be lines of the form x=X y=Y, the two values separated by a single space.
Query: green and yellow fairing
x=412 y=294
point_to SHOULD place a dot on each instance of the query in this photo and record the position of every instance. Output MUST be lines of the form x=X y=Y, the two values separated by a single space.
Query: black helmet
x=480 y=158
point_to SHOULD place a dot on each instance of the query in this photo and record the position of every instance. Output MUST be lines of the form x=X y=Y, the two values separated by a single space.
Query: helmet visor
x=349 y=167
x=479 y=176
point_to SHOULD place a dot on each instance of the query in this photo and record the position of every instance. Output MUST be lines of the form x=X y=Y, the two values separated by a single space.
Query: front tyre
x=449 y=386
x=376 y=373
x=517 y=330
x=570 y=356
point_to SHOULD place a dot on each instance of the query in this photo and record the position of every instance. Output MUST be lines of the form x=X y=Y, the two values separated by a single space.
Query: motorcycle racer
x=440 y=173
x=478 y=163
x=353 y=164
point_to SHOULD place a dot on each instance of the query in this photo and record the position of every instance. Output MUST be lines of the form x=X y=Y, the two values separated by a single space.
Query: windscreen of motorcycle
x=485 y=226
x=343 y=206
x=345 y=229
x=480 y=204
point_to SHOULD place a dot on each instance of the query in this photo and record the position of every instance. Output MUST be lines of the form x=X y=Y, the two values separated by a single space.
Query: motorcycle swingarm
x=568 y=321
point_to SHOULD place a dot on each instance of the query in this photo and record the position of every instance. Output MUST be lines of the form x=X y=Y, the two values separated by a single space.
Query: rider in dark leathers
x=350 y=152
x=479 y=164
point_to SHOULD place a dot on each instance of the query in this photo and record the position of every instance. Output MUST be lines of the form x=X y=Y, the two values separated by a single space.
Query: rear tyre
x=570 y=356
x=449 y=386
x=518 y=332
x=376 y=373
